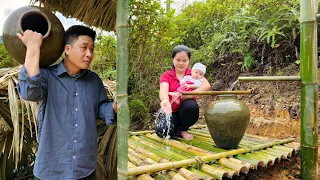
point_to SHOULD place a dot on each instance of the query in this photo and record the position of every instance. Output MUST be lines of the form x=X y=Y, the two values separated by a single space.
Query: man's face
x=80 y=52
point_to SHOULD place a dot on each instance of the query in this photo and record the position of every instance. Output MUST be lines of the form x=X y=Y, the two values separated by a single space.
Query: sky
x=8 y=6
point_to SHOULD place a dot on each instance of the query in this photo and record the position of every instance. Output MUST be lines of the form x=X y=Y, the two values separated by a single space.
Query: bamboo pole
x=181 y=146
x=145 y=160
x=146 y=153
x=165 y=146
x=140 y=132
x=122 y=86
x=189 y=174
x=202 y=174
x=270 y=78
x=309 y=89
x=208 y=158
x=216 y=92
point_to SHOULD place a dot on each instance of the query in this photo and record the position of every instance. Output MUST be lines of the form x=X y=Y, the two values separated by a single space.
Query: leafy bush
x=139 y=113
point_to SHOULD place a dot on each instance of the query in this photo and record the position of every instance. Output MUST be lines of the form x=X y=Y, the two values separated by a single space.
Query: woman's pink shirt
x=171 y=78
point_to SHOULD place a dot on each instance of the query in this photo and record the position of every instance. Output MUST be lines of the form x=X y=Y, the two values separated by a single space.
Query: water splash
x=165 y=124
x=233 y=84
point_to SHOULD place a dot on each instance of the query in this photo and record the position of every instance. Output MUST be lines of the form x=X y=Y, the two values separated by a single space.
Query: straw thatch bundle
x=17 y=143
x=98 y=13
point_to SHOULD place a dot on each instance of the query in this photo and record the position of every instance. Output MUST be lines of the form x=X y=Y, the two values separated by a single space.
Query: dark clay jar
x=227 y=120
x=36 y=19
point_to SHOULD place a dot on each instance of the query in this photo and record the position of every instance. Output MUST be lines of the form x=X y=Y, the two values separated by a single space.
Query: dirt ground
x=275 y=113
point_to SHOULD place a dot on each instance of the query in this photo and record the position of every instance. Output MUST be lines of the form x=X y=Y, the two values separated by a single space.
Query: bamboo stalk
x=216 y=92
x=208 y=158
x=161 y=152
x=285 y=153
x=143 y=160
x=203 y=175
x=202 y=144
x=145 y=177
x=147 y=153
x=167 y=150
x=268 y=156
x=217 y=173
x=183 y=147
x=122 y=86
x=200 y=133
x=270 y=78
x=166 y=146
x=140 y=177
x=237 y=165
x=197 y=126
x=140 y=132
x=175 y=176
x=257 y=156
x=278 y=155
x=188 y=174
x=255 y=163
x=134 y=159
x=244 y=163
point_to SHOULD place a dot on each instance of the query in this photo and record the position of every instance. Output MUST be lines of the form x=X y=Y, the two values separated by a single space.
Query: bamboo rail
x=270 y=78
x=197 y=160
x=216 y=92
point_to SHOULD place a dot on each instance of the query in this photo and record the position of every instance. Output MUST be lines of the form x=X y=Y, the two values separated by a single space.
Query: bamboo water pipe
x=270 y=78
x=216 y=92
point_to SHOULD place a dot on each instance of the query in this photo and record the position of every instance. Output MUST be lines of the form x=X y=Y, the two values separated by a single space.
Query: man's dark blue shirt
x=68 y=110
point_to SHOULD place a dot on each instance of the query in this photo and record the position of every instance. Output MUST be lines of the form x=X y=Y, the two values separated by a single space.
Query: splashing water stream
x=233 y=84
x=167 y=122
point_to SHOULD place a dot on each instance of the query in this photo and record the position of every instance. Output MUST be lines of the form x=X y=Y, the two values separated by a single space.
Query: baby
x=189 y=83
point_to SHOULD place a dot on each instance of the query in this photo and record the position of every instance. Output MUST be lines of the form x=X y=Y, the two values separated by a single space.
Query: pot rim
x=36 y=12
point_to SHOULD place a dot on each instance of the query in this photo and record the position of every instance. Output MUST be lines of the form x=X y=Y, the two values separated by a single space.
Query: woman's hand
x=166 y=106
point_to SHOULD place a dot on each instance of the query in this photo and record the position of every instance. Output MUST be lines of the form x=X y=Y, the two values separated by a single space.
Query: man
x=71 y=99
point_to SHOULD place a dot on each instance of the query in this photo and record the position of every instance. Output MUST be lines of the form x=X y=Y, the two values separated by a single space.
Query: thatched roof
x=97 y=13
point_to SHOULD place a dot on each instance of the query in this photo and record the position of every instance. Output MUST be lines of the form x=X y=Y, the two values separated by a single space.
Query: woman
x=185 y=114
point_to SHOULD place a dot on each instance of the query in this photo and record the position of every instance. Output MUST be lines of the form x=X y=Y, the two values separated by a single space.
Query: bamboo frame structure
x=309 y=89
x=206 y=158
x=270 y=78
x=122 y=86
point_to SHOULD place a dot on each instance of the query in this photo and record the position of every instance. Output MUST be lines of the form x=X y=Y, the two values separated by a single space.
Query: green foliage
x=152 y=37
x=217 y=30
x=5 y=59
x=104 y=62
x=139 y=112
x=249 y=34
x=248 y=61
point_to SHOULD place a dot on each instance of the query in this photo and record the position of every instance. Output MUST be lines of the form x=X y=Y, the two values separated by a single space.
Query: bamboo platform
x=151 y=157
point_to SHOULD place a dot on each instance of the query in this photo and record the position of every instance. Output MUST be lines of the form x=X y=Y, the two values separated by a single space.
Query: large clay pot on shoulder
x=36 y=19
x=227 y=120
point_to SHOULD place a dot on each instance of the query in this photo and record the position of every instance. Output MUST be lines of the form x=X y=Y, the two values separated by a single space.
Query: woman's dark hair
x=75 y=31
x=181 y=48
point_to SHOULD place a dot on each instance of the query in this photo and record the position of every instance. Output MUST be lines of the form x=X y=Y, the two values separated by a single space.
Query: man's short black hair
x=75 y=31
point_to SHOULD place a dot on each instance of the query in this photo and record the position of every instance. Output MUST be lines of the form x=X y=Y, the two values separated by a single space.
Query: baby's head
x=198 y=71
